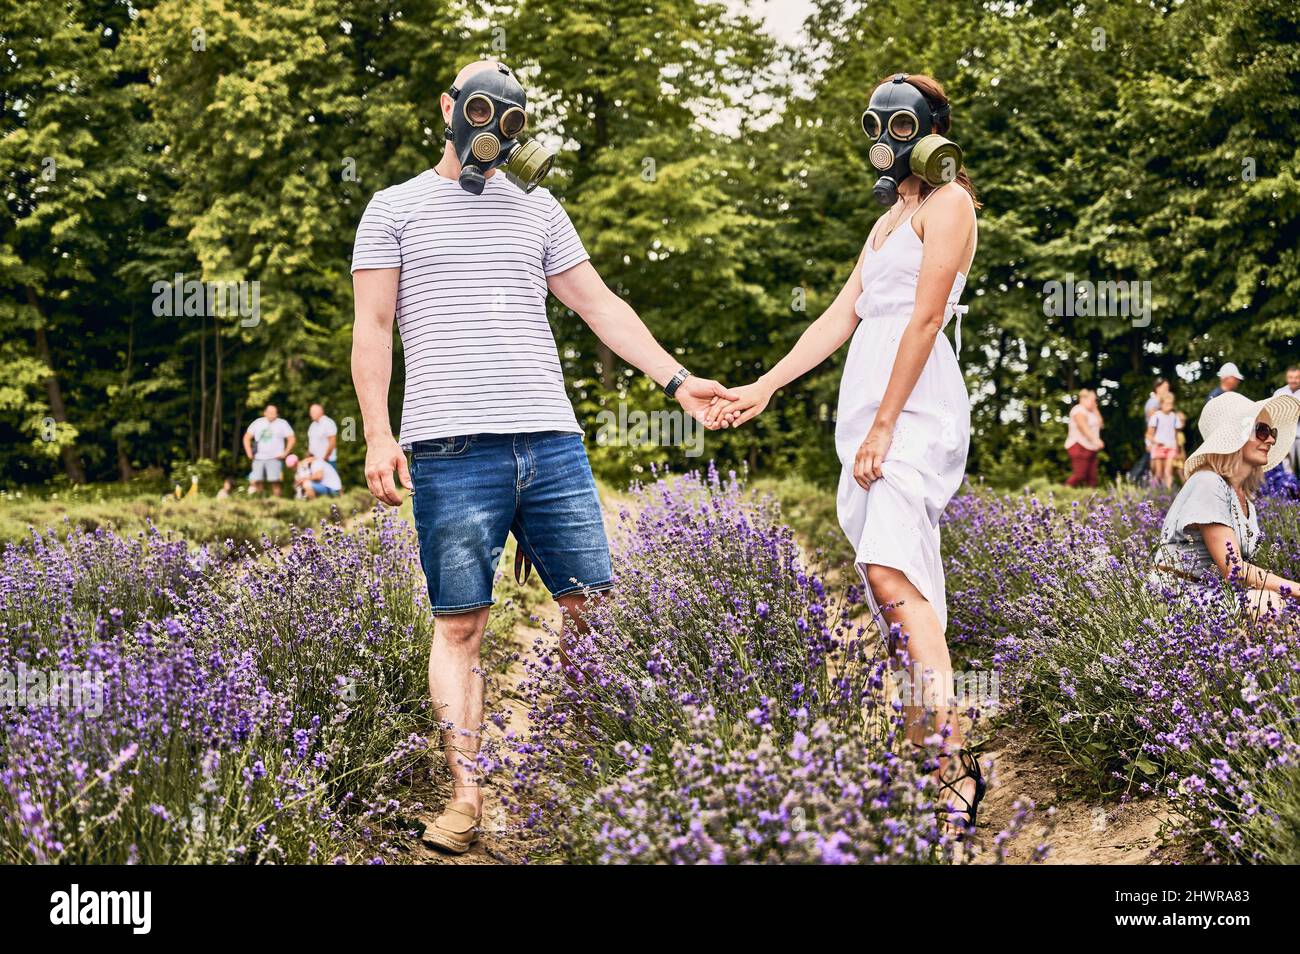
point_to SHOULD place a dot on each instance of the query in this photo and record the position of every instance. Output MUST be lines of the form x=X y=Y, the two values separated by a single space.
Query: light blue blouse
x=1205 y=498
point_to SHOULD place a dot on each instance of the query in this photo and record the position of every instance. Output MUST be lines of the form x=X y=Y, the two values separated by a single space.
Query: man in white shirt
x=275 y=439
x=322 y=435
x=462 y=258
x=1292 y=389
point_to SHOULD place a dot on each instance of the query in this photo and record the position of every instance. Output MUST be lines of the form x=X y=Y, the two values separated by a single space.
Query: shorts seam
x=602 y=587
x=463 y=608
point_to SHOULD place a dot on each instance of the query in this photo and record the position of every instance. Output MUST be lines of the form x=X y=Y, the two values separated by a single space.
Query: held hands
x=748 y=403
x=383 y=456
x=697 y=396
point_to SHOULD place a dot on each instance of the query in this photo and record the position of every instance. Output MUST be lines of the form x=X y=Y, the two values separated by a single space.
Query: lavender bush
x=1143 y=686
x=722 y=708
x=250 y=707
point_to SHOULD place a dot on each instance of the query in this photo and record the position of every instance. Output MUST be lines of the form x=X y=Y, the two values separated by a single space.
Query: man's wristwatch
x=676 y=382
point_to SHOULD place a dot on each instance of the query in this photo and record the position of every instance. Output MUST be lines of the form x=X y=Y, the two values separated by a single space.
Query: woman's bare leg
x=928 y=652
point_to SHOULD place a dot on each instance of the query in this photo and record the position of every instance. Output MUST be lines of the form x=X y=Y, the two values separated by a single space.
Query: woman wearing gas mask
x=903 y=422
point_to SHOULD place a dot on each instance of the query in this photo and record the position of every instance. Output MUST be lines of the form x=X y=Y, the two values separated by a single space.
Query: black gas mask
x=488 y=116
x=900 y=121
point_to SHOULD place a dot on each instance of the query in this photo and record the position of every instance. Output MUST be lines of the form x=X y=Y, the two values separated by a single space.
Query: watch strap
x=676 y=381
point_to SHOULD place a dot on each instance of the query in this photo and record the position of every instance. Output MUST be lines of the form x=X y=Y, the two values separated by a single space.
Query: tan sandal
x=456 y=829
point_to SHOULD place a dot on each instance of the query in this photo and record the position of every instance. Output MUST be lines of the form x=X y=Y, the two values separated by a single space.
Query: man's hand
x=749 y=403
x=383 y=456
x=695 y=395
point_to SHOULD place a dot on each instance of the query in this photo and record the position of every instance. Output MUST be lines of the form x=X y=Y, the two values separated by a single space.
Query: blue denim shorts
x=471 y=491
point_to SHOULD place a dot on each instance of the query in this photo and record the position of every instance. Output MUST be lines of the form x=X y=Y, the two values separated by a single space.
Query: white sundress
x=896 y=522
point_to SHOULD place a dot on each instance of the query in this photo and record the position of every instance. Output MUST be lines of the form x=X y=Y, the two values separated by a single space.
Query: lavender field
x=238 y=703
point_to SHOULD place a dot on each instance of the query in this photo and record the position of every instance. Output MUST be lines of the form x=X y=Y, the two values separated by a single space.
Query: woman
x=1083 y=440
x=903 y=423
x=1211 y=531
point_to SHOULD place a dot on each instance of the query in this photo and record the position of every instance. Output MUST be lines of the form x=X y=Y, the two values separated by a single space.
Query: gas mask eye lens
x=871 y=124
x=512 y=122
x=902 y=125
x=479 y=110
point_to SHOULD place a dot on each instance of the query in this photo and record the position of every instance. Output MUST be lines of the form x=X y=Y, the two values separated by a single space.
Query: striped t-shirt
x=471 y=303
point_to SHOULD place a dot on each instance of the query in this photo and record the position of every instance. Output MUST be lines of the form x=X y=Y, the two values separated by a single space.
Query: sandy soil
x=1078 y=828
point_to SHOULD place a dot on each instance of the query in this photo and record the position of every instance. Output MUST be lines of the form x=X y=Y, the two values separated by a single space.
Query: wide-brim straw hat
x=1228 y=422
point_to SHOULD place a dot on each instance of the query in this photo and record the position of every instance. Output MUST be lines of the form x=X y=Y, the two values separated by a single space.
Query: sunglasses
x=1263 y=432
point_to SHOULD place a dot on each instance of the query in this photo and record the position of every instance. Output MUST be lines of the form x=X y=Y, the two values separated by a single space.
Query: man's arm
x=248 y=444
x=582 y=290
x=288 y=444
x=375 y=290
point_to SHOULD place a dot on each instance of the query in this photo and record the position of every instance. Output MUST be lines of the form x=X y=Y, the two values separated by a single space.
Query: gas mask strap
x=454 y=93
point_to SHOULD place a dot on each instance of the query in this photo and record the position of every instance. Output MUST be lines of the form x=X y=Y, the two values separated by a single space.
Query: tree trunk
x=216 y=398
x=203 y=385
x=71 y=459
x=124 y=469
x=608 y=370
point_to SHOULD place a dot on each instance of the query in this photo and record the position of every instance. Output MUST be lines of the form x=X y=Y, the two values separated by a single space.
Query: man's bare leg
x=456 y=688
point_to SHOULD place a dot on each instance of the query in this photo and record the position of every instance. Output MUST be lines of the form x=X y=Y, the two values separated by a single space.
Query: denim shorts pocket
x=441 y=447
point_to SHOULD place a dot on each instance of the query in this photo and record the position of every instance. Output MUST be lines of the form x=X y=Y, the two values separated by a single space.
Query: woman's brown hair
x=934 y=94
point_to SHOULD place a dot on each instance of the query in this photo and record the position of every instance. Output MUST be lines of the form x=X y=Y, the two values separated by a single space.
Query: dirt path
x=1078 y=829
x=1083 y=830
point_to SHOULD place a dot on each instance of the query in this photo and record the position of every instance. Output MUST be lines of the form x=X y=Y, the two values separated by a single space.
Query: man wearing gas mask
x=903 y=420
x=462 y=257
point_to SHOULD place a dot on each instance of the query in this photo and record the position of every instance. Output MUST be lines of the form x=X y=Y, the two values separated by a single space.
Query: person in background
x=301 y=470
x=1140 y=470
x=226 y=490
x=1179 y=463
x=1291 y=389
x=318 y=478
x=1229 y=380
x=1083 y=442
x=322 y=435
x=1162 y=437
x=275 y=439
x=1211 y=532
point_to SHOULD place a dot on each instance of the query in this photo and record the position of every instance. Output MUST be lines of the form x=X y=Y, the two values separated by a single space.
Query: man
x=1229 y=379
x=322 y=435
x=463 y=256
x=275 y=439
x=319 y=479
x=1292 y=389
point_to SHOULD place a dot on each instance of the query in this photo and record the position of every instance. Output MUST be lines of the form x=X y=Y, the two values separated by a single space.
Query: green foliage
x=204 y=519
x=718 y=177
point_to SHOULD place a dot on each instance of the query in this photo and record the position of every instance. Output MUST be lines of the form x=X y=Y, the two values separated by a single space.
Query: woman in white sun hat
x=1211 y=530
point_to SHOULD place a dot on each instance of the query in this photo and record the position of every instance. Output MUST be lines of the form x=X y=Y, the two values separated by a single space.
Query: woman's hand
x=871 y=455
x=749 y=403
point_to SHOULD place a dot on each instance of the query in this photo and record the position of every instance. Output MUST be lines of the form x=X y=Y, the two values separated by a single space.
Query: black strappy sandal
x=970 y=769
